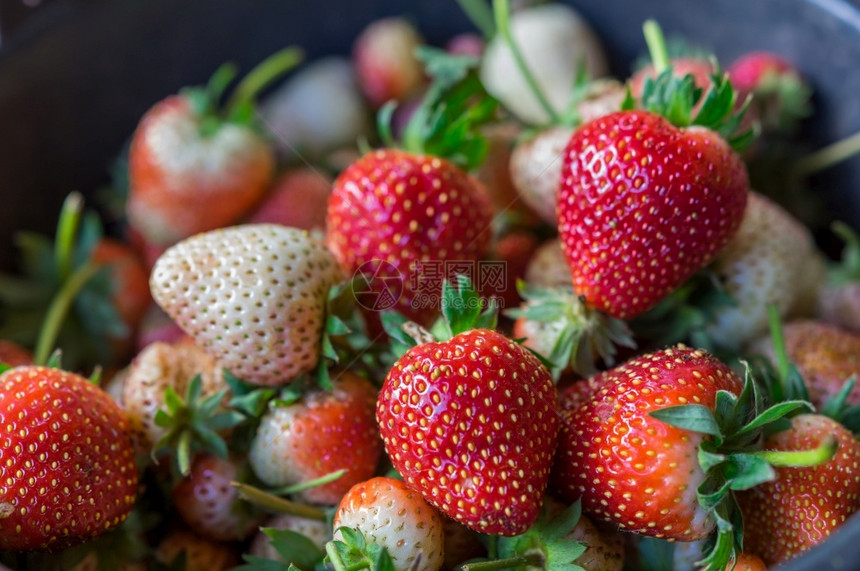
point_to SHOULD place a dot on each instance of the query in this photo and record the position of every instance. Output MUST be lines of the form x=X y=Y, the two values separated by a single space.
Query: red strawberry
x=643 y=206
x=384 y=60
x=298 y=199
x=209 y=504
x=14 y=355
x=628 y=467
x=67 y=471
x=749 y=70
x=781 y=97
x=802 y=506
x=326 y=431
x=406 y=209
x=253 y=296
x=201 y=554
x=387 y=512
x=471 y=423
x=183 y=182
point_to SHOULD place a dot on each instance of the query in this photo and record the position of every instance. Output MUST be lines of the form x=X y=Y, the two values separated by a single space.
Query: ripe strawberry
x=67 y=471
x=802 y=506
x=155 y=369
x=825 y=356
x=298 y=199
x=253 y=296
x=200 y=554
x=388 y=513
x=383 y=55
x=628 y=467
x=536 y=170
x=209 y=504
x=13 y=355
x=324 y=432
x=481 y=454
x=781 y=97
x=404 y=209
x=194 y=167
x=757 y=268
x=663 y=201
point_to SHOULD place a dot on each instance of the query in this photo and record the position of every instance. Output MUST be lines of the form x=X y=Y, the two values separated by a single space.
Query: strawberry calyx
x=240 y=106
x=193 y=425
x=546 y=545
x=675 y=98
x=582 y=334
x=353 y=552
x=449 y=118
x=344 y=335
x=732 y=459
x=63 y=299
x=298 y=549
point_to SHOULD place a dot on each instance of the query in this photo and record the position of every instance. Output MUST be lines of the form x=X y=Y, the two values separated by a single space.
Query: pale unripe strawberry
x=536 y=170
x=317 y=531
x=390 y=514
x=761 y=265
x=604 y=548
x=554 y=41
x=209 y=504
x=548 y=267
x=158 y=366
x=385 y=63
x=253 y=296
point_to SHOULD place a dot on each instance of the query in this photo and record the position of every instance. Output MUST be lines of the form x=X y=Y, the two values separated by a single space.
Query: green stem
x=183 y=452
x=778 y=340
x=334 y=557
x=502 y=13
x=528 y=560
x=829 y=156
x=271 y=502
x=322 y=480
x=656 y=46
x=265 y=73
x=801 y=458
x=223 y=76
x=67 y=229
x=58 y=310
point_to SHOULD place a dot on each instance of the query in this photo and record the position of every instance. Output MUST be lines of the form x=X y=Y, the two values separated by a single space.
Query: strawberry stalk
x=273 y=503
x=656 y=43
x=829 y=156
x=261 y=76
x=67 y=230
x=801 y=458
x=531 y=560
x=322 y=480
x=502 y=13
x=59 y=309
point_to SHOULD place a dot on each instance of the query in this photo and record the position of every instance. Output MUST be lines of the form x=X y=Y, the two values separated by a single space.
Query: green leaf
x=564 y=523
x=481 y=15
x=4 y=367
x=694 y=417
x=774 y=413
x=708 y=459
x=294 y=547
x=744 y=471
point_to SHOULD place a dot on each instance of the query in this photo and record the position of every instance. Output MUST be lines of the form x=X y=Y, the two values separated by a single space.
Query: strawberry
x=194 y=167
x=298 y=199
x=781 y=97
x=646 y=481
x=470 y=422
x=129 y=278
x=253 y=296
x=390 y=514
x=668 y=176
x=548 y=267
x=325 y=432
x=318 y=532
x=802 y=506
x=198 y=553
x=758 y=267
x=746 y=562
x=384 y=62
x=837 y=299
x=825 y=357
x=209 y=504
x=495 y=173
x=13 y=355
x=536 y=170
x=66 y=460
x=406 y=209
x=159 y=367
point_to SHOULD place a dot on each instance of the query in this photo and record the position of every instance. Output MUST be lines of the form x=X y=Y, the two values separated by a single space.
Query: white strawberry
x=157 y=367
x=209 y=504
x=317 y=531
x=390 y=514
x=253 y=296
x=548 y=267
x=536 y=170
x=762 y=265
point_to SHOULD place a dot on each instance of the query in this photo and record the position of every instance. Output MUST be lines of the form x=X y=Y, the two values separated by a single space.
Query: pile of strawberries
x=297 y=359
